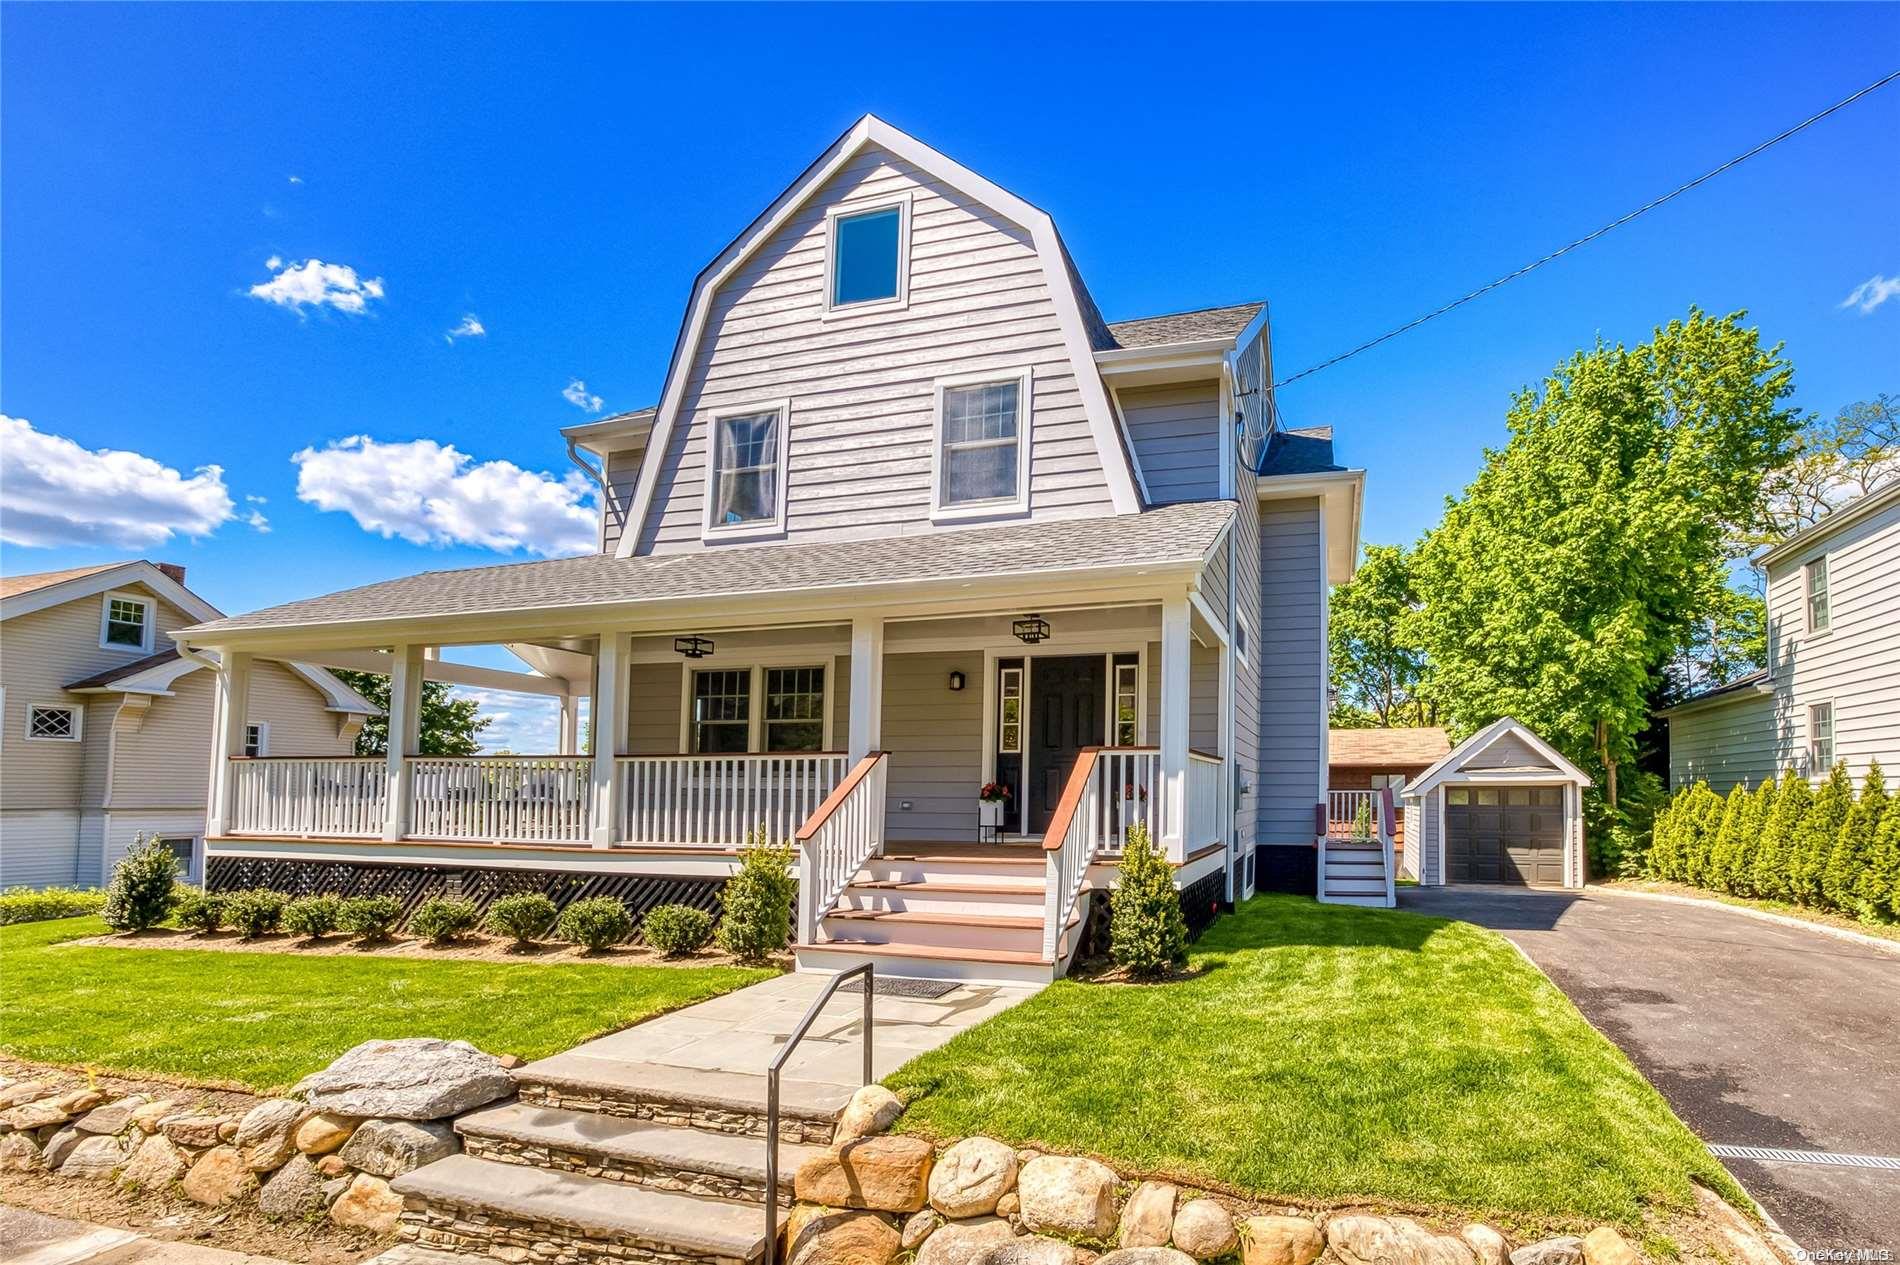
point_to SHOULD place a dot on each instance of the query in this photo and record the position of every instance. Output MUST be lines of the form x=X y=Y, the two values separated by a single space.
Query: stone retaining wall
x=791 y=1128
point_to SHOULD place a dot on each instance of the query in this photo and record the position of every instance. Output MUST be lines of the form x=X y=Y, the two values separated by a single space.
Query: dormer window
x=126 y=623
x=982 y=450
x=868 y=254
x=745 y=484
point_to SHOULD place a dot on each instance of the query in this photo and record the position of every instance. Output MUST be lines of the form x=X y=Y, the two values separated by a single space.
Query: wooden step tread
x=998 y=922
x=926 y=857
x=938 y=952
x=734 y=1155
x=687 y=1086
x=951 y=887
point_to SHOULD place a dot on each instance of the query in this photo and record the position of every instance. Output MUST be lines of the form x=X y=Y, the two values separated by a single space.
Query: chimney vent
x=175 y=570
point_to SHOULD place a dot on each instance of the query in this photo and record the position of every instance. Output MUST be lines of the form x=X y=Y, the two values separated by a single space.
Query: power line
x=1647 y=207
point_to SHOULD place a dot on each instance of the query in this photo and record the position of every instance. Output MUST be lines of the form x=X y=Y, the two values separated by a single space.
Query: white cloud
x=53 y=492
x=314 y=283
x=471 y=327
x=257 y=522
x=295 y=179
x=528 y=724
x=431 y=494
x=576 y=393
x=1872 y=292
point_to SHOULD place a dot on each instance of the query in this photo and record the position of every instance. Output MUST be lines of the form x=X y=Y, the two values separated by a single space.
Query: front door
x=1065 y=715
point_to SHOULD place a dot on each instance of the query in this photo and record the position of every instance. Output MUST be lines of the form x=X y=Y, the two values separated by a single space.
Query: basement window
x=52 y=724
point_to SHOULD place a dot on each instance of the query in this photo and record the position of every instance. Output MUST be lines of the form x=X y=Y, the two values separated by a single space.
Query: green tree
x=1854 y=846
x=1880 y=881
x=1581 y=557
x=1775 y=855
x=449 y=725
x=1720 y=845
x=1832 y=463
x=1729 y=639
x=1377 y=664
x=1814 y=837
x=1739 y=873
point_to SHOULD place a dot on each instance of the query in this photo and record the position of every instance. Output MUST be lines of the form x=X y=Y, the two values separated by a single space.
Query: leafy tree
x=1854 y=846
x=449 y=725
x=1581 y=557
x=1728 y=640
x=1775 y=855
x=1833 y=463
x=1814 y=837
x=1377 y=663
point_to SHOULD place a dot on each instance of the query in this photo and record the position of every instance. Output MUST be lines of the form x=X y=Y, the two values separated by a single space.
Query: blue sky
x=560 y=173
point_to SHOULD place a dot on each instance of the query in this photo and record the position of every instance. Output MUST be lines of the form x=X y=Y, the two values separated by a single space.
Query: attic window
x=126 y=623
x=867 y=256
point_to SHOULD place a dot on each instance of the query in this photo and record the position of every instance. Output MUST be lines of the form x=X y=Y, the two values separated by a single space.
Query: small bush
x=524 y=917
x=370 y=917
x=445 y=919
x=314 y=916
x=198 y=909
x=1146 y=933
x=599 y=922
x=143 y=883
x=23 y=904
x=676 y=930
x=757 y=917
x=256 y=912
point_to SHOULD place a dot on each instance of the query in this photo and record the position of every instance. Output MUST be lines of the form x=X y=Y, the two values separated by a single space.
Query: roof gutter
x=599 y=477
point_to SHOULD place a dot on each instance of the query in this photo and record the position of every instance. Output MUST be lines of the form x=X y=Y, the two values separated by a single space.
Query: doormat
x=888 y=986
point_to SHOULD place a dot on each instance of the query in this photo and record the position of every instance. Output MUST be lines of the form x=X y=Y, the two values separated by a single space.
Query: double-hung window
x=256 y=740
x=868 y=254
x=126 y=623
x=1816 y=576
x=1820 y=738
x=982 y=458
x=722 y=711
x=745 y=490
x=794 y=709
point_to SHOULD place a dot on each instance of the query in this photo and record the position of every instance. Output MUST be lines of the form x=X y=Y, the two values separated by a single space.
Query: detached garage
x=1501 y=807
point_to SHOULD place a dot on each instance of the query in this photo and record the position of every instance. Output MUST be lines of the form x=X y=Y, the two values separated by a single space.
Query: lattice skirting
x=413 y=884
x=1201 y=902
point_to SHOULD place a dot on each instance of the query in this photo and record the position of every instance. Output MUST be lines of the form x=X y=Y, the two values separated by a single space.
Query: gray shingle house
x=909 y=520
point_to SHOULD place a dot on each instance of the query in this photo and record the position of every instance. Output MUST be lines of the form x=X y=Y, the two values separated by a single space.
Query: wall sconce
x=956 y=682
x=1031 y=630
x=694 y=647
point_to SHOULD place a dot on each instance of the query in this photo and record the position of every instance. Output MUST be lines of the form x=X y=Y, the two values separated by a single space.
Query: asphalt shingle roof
x=1183 y=327
x=1360 y=748
x=14 y=585
x=124 y=670
x=1169 y=534
x=1307 y=450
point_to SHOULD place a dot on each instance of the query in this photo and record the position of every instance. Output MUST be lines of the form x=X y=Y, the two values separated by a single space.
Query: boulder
x=95 y=1156
x=154 y=1165
x=219 y=1176
x=19 y=1154
x=918 y=1228
x=414 y=1078
x=1204 y=1230
x=1069 y=1195
x=1035 y=1250
x=843 y=1238
x=1280 y=1241
x=1604 y=1246
x=964 y=1242
x=1010 y=1205
x=873 y=1109
x=1487 y=1244
x=1148 y=1217
x=883 y=1173
x=146 y=1116
x=267 y=1133
x=38 y=1114
x=1357 y=1239
x=112 y=1117
x=368 y=1203
x=1145 y=1256
x=196 y=1130
x=390 y=1148
x=59 y=1146
x=294 y=1190
x=20 y=1092
x=323 y=1133
x=332 y=1166
x=1564 y=1250
x=78 y=1102
x=1743 y=1241
x=970 y=1176
x=334 y=1188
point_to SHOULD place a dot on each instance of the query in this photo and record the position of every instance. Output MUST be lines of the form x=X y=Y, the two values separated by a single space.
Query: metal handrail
x=771 y=1090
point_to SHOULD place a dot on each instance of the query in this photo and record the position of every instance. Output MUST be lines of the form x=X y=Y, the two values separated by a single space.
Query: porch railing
x=1203 y=821
x=343 y=797
x=719 y=800
x=834 y=843
x=520 y=799
x=1348 y=812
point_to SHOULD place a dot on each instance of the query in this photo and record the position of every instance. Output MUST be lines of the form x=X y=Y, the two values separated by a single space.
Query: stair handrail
x=771 y=1089
x=828 y=856
x=1388 y=830
x=1073 y=840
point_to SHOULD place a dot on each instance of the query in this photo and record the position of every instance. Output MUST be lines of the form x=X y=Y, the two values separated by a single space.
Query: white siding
x=123 y=829
x=1292 y=671
x=39 y=848
x=1724 y=744
x=935 y=738
x=1507 y=752
x=622 y=470
x=1175 y=431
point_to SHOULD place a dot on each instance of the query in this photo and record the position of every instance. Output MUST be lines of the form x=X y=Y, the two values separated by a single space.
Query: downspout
x=599 y=477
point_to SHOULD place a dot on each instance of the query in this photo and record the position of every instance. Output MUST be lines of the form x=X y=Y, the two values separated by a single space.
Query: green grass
x=1328 y=1053
x=264 y=1020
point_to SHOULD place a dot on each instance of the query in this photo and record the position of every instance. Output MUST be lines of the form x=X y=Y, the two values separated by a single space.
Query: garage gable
x=1503 y=749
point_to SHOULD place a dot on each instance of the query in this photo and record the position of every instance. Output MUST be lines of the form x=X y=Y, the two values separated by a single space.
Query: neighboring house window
x=868 y=255
x=126 y=623
x=1816 y=572
x=1821 y=737
x=982 y=459
x=794 y=709
x=746 y=489
x=1243 y=636
x=1127 y=705
x=722 y=711
x=52 y=724
x=1009 y=731
x=257 y=740
x=1394 y=780
x=185 y=849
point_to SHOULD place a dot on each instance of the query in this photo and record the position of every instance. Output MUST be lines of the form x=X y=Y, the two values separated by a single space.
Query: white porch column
x=1175 y=657
x=405 y=728
x=867 y=688
x=230 y=706
x=611 y=682
x=570 y=740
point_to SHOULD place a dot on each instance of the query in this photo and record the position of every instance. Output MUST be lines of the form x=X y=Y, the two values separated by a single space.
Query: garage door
x=1500 y=834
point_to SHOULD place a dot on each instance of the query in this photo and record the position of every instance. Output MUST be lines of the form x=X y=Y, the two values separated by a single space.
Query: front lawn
x=1329 y=1053
x=263 y=1020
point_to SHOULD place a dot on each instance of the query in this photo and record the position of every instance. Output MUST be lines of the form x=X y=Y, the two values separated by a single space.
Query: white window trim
x=1818 y=769
x=755 y=670
x=195 y=868
x=1022 y=700
x=851 y=210
x=105 y=618
x=1025 y=411
x=1807 y=595
x=1244 y=649
x=79 y=722
x=263 y=735
x=775 y=526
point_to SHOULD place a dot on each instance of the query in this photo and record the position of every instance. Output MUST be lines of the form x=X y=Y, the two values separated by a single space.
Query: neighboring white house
x=1831 y=690
x=106 y=729
x=910 y=517
x=1500 y=807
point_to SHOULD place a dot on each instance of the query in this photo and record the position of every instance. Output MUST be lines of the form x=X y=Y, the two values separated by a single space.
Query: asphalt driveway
x=1758 y=1034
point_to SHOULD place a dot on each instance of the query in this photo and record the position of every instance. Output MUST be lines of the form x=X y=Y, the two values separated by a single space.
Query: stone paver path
x=32 y=1238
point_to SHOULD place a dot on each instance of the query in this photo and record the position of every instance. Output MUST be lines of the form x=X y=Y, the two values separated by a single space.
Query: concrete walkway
x=32 y=1238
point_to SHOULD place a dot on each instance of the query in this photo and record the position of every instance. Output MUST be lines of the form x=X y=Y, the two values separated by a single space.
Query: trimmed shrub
x=445 y=919
x=1723 y=842
x=524 y=917
x=1814 y=837
x=198 y=909
x=1854 y=846
x=676 y=930
x=1773 y=857
x=143 y=884
x=314 y=916
x=23 y=904
x=599 y=922
x=256 y=912
x=1146 y=932
x=1880 y=882
x=1741 y=869
x=756 y=919
x=370 y=917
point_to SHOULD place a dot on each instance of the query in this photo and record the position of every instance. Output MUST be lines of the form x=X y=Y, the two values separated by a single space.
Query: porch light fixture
x=694 y=647
x=1030 y=631
x=956 y=682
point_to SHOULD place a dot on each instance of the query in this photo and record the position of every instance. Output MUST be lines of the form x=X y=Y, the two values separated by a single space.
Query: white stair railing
x=1344 y=809
x=1388 y=829
x=517 y=799
x=339 y=796
x=719 y=800
x=834 y=843
x=1204 y=778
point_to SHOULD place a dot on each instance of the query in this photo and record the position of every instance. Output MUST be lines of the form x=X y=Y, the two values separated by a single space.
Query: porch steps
x=1352 y=873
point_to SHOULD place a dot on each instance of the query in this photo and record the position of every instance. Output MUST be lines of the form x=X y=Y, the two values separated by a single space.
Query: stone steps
x=721 y=1102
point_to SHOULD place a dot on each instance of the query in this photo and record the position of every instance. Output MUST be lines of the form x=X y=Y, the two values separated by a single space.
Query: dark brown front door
x=1065 y=715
